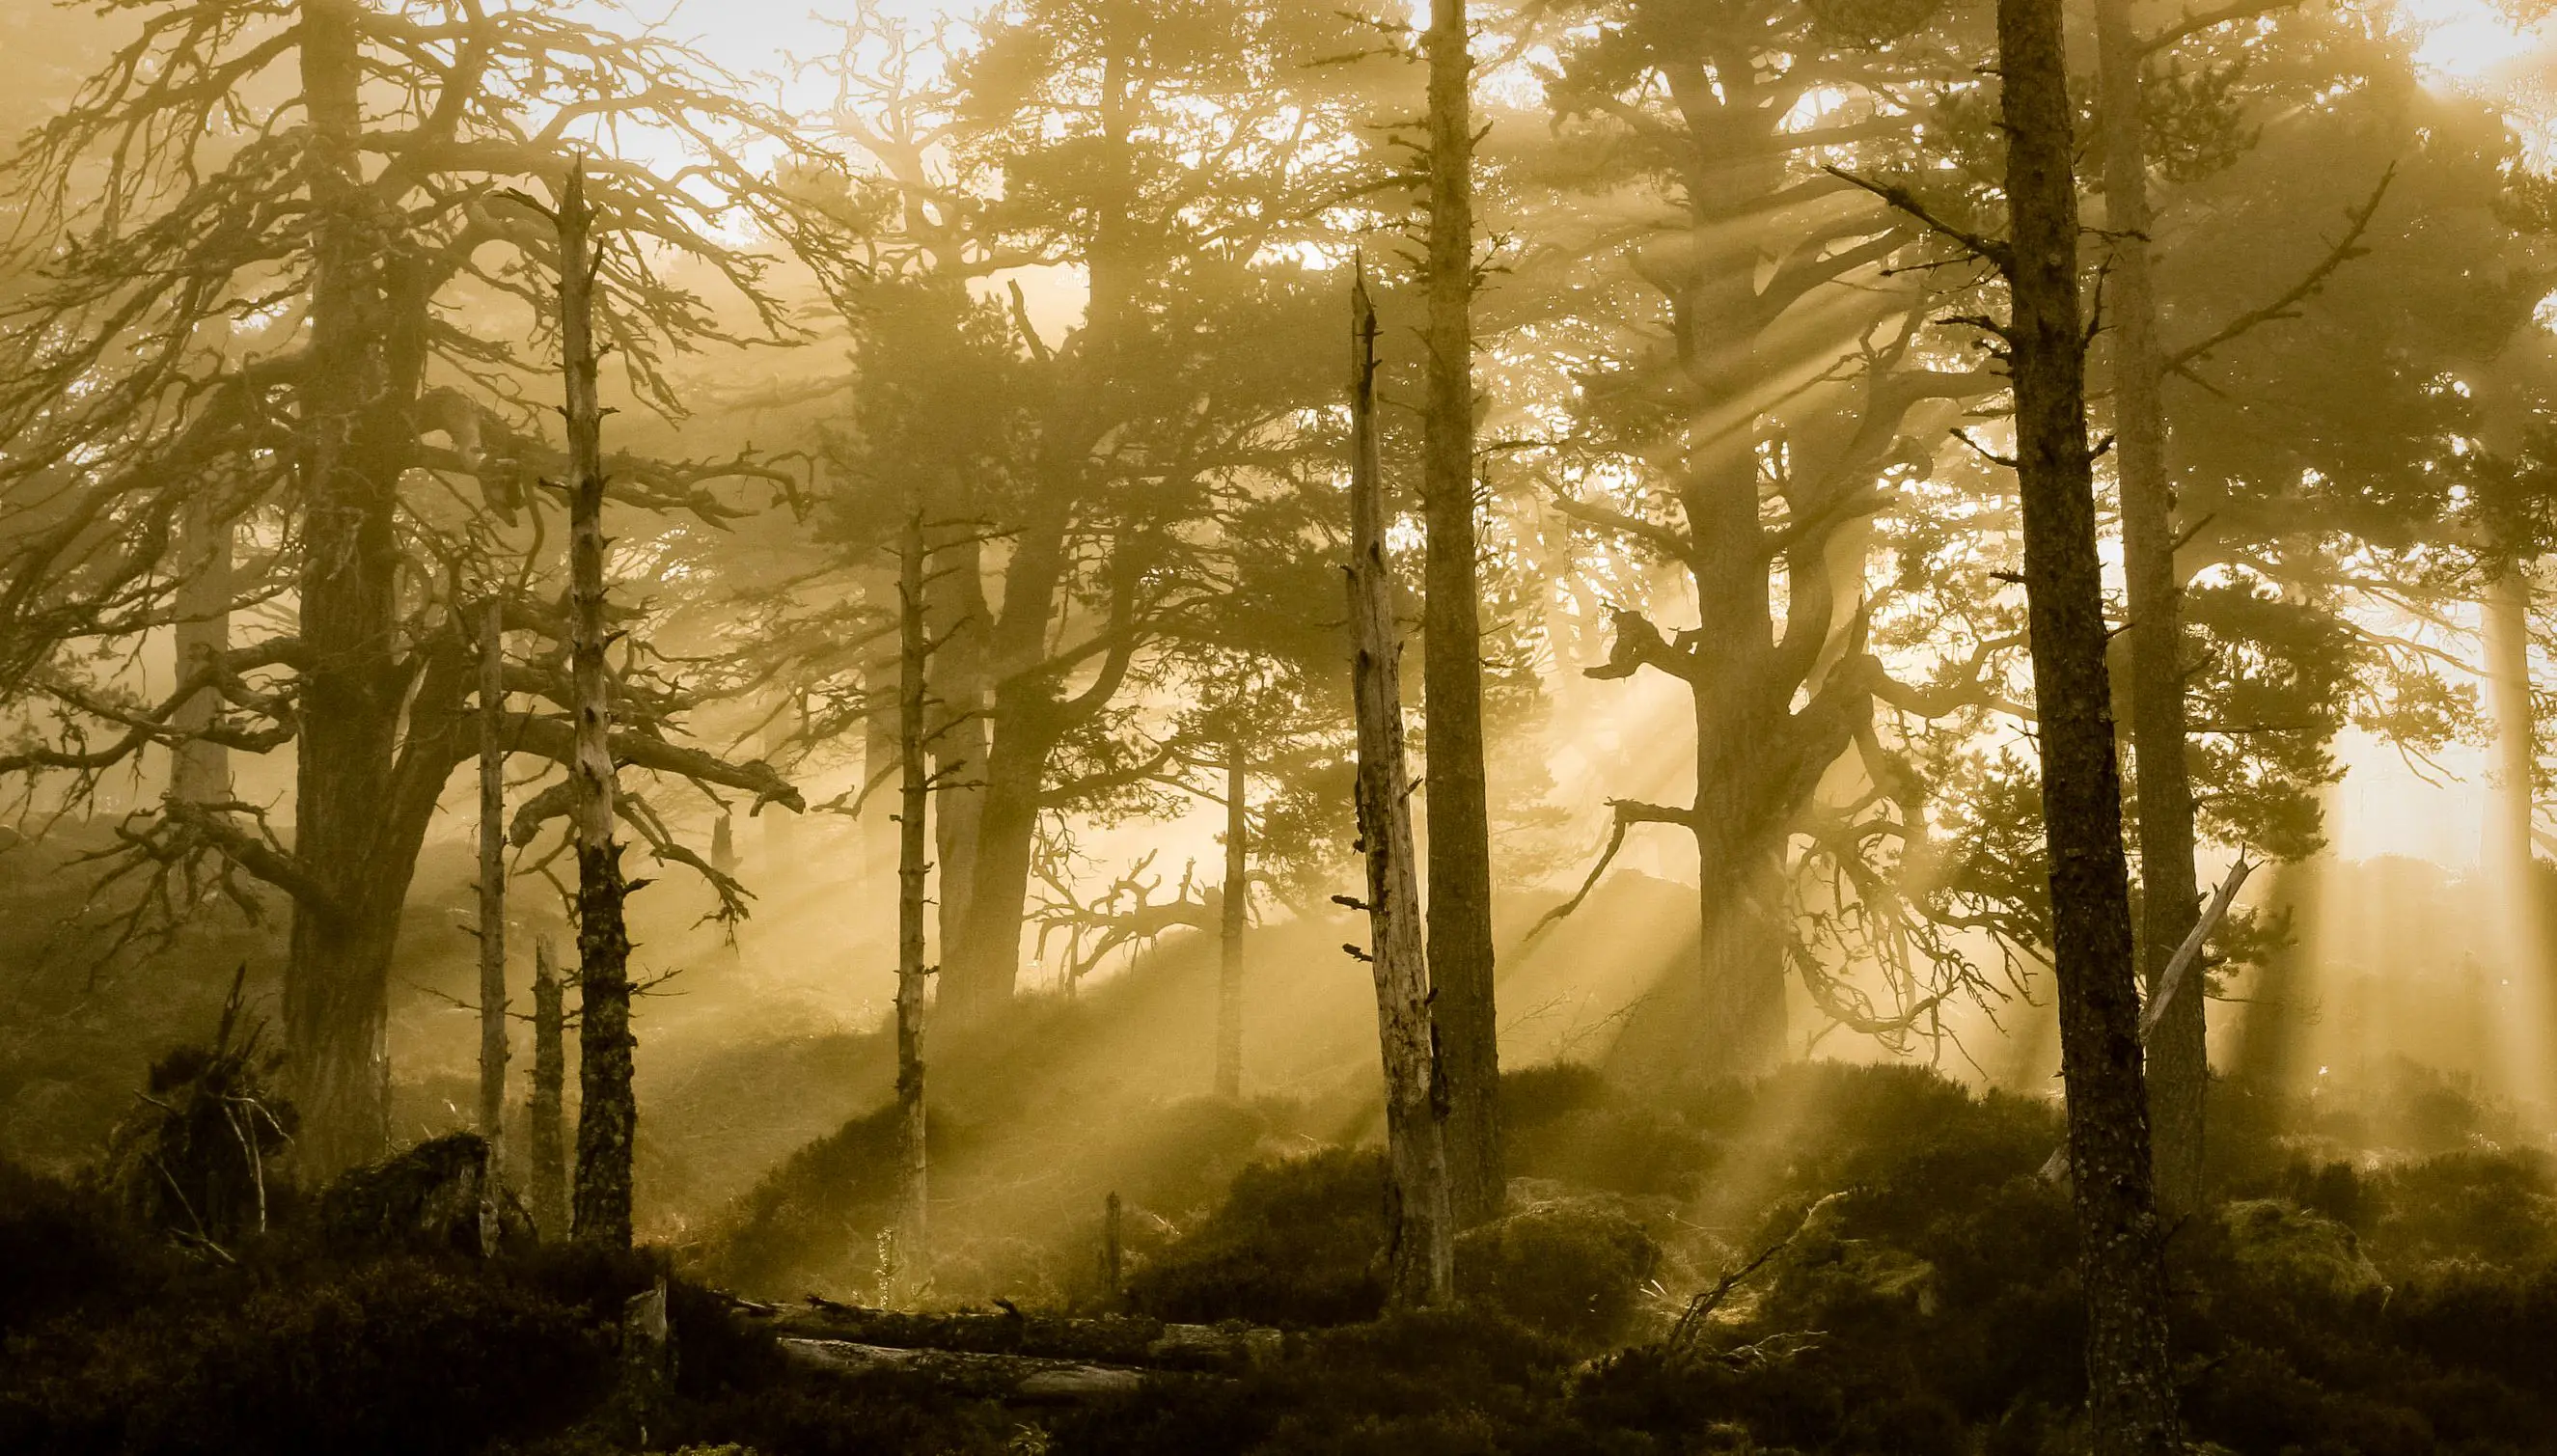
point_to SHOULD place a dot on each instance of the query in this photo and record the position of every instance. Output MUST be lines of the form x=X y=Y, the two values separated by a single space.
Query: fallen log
x=1026 y=1379
x=1111 y=1340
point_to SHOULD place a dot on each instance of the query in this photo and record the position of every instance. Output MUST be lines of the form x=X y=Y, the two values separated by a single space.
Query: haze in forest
x=930 y=655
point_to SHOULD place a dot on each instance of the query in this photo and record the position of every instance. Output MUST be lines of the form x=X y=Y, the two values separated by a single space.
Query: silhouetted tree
x=267 y=319
x=1420 y=1218
x=1460 y=831
x=2130 y=1379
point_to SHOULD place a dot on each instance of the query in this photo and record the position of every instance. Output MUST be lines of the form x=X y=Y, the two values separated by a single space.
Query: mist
x=1631 y=726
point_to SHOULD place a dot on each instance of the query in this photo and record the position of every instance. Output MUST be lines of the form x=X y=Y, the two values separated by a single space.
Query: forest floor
x=2375 y=1270
x=1920 y=1298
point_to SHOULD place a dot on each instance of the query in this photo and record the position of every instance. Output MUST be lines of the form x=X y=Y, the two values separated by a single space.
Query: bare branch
x=2346 y=249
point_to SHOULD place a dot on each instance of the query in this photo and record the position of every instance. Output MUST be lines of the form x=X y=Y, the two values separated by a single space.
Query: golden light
x=2464 y=43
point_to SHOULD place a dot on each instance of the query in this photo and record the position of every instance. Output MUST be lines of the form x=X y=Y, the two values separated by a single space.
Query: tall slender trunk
x=1419 y=1224
x=335 y=991
x=959 y=739
x=2178 y=1065
x=2130 y=1383
x=2511 y=870
x=546 y=1149
x=913 y=1232
x=2506 y=620
x=1235 y=908
x=493 y=878
x=201 y=773
x=607 y=1115
x=880 y=751
x=1460 y=851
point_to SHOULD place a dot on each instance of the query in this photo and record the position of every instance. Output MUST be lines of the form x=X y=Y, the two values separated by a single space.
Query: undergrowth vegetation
x=1835 y=1260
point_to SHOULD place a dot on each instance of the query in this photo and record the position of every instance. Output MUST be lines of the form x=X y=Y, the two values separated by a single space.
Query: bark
x=546 y=1148
x=1135 y=1340
x=1740 y=885
x=338 y=967
x=1419 y=1225
x=913 y=1231
x=1742 y=1024
x=1007 y=809
x=1236 y=906
x=608 y=1114
x=2179 y=1067
x=1019 y=732
x=958 y=737
x=880 y=763
x=1461 y=855
x=1025 y=720
x=2130 y=1383
x=199 y=772
x=492 y=879
x=2506 y=620
x=1015 y=1379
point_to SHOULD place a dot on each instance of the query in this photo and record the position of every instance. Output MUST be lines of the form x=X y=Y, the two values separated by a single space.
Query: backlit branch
x=1625 y=814
x=2346 y=249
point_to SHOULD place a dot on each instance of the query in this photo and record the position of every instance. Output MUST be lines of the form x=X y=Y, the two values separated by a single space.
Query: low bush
x=397 y=1357
x=1293 y=1245
x=1574 y=1270
x=1918 y=1297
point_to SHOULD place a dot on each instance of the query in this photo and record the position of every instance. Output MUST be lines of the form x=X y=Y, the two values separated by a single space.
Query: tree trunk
x=1022 y=1379
x=913 y=1231
x=2130 y=1383
x=2511 y=808
x=1745 y=742
x=492 y=879
x=338 y=967
x=2506 y=620
x=1237 y=904
x=986 y=961
x=546 y=1171
x=959 y=739
x=608 y=1114
x=1460 y=851
x=883 y=691
x=201 y=773
x=1740 y=885
x=991 y=829
x=1420 y=1228
x=2179 y=1066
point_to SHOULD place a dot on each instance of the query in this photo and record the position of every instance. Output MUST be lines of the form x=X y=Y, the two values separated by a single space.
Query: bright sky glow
x=2475 y=48
x=758 y=36
x=2468 y=42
